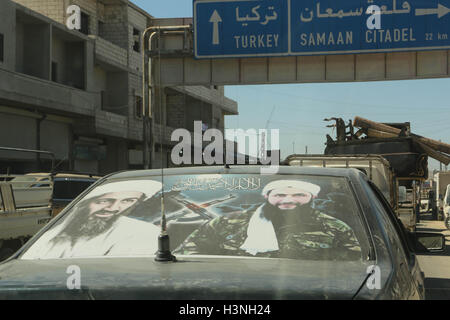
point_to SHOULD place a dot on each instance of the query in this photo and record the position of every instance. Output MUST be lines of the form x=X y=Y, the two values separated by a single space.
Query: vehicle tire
x=5 y=253
x=447 y=223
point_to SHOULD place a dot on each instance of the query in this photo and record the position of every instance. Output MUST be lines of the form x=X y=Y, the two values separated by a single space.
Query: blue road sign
x=330 y=26
x=238 y=28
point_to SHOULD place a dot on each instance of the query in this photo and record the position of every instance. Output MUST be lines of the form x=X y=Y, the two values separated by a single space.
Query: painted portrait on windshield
x=284 y=224
x=100 y=225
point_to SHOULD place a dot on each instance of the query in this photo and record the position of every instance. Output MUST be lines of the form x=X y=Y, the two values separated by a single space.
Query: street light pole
x=147 y=83
x=146 y=123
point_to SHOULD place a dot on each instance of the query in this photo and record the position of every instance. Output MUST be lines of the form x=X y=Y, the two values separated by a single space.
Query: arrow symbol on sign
x=440 y=11
x=215 y=19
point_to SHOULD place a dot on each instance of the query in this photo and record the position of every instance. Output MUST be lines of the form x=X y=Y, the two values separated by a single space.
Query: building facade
x=78 y=93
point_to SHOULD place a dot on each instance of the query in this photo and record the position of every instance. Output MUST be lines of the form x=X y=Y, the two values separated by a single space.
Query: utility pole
x=293 y=147
x=306 y=149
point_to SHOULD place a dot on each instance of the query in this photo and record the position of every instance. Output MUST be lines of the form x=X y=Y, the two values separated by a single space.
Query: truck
x=378 y=169
x=408 y=164
x=406 y=153
x=25 y=206
x=24 y=209
x=442 y=180
x=374 y=166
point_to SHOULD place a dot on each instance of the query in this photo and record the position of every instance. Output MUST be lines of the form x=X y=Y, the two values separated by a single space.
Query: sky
x=298 y=110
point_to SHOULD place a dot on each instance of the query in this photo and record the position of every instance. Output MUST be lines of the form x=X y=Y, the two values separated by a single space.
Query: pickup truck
x=28 y=198
x=66 y=186
x=25 y=207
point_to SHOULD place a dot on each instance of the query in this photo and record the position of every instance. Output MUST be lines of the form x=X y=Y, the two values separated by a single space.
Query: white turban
x=147 y=187
x=303 y=185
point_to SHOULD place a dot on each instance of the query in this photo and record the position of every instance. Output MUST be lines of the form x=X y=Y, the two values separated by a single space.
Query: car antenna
x=163 y=254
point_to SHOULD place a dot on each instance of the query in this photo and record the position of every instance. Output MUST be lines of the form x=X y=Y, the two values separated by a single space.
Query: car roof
x=350 y=173
x=66 y=175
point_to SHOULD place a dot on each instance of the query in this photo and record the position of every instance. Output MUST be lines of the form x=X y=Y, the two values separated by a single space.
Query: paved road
x=436 y=266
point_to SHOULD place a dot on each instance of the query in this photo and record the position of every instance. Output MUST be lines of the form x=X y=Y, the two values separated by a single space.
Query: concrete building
x=79 y=93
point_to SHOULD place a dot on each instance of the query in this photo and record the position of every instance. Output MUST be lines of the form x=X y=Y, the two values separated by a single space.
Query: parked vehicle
x=35 y=193
x=66 y=187
x=29 y=201
x=236 y=234
x=24 y=210
x=442 y=180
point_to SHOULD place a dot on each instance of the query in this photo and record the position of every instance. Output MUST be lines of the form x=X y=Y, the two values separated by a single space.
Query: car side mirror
x=427 y=242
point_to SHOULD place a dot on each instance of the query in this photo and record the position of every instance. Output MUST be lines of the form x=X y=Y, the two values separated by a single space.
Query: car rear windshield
x=277 y=216
x=69 y=189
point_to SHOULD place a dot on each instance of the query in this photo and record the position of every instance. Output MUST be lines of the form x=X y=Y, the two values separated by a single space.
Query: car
x=66 y=186
x=225 y=232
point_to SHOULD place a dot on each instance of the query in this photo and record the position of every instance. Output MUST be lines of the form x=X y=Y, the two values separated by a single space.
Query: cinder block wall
x=175 y=104
x=136 y=21
x=115 y=28
x=54 y=9
x=90 y=8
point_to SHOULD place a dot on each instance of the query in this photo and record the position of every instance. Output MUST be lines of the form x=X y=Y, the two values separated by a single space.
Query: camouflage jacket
x=320 y=237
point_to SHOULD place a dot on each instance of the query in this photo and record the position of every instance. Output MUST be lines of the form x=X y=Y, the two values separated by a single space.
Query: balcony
x=210 y=96
x=32 y=91
x=110 y=53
